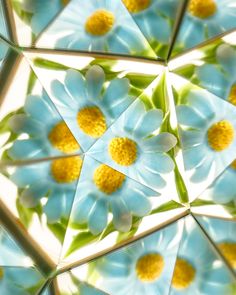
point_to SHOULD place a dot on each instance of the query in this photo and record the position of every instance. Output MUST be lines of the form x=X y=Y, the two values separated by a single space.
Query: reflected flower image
x=220 y=79
x=55 y=179
x=197 y=269
x=222 y=232
x=205 y=19
x=98 y=26
x=132 y=147
x=88 y=110
x=101 y=190
x=42 y=12
x=208 y=133
x=48 y=133
x=142 y=268
x=153 y=18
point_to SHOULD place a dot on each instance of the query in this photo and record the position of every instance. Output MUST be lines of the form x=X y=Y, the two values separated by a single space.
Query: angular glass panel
x=198 y=268
x=37 y=198
x=156 y=19
x=89 y=93
x=31 y=17
x=142 y=267
x=211 y=66
x=96 y=26
x=222 y=232
x=207 y=128
x=204 y=20
x=31 y=126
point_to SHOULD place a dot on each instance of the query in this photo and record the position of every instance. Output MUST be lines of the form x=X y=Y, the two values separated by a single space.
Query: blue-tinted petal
x=158 y=163
x=75 y=85
x=40 y=108
x=160 y=143
x=137 y=202
x=27 y=175
x=28 y=148
x=24 y=124
x=54 y=207
x=117 y=90
x=122 y=218
x=82 y=208
x=194 y=156
x=187 y=116
x=95 y=78
x=212 y=79
x=98 y=217
x=149 y=123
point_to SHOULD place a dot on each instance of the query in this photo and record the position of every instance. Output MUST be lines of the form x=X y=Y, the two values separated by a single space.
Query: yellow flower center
x=92 y=121
x=232 y=95
x=65 y=2
x=149 y=267
x=62 y=139
x=135 y=6
x=107 y=179
x=229 y=251
x=233 y=164
x=100 y=22
x=123 y=151
x=66 y=170
x=202 y=8
x=1 y=273
x=183 y=275
x=220 y=135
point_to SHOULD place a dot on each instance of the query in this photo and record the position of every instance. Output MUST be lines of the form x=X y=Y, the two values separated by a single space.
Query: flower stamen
x=107 y=179
x=184 y=274
x=100 y=22
x=202 y=8
x=149 y=267
x=220 y=135
x=123 y=151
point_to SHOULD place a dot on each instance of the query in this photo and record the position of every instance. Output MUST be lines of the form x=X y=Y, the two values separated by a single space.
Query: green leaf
x=159 y=95
x=180 y=186
x=127 y=235
x=186 y=71
x=25 y=214
x=167 y=206
x=48 y=64
x=31 y=82
x=80 y=240
x=140 y=81
x=4 y=122
x=200 y=202
x=58 y=230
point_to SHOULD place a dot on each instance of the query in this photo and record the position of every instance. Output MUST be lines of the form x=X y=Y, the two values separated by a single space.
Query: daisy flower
x=48 y=136
x=133 y=147
x=55 y=179
x=42 y=11
x=97 y=26
x=152 y=18
x=18 y=280
x=48 y=133
x=197 y=269
x=208 y=138
x=101 y=190
x=142 y=268
x=85 y=107
x=222 y=232
x=220 y=79
x=205 y=19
